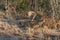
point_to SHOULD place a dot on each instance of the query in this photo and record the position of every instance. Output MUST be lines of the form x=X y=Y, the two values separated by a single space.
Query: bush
x=22 y=4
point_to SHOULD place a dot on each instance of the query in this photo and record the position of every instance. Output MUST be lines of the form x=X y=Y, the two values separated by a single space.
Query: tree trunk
x=54 y=5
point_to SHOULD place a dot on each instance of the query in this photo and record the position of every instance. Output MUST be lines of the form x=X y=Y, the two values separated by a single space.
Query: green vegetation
x=22 y=4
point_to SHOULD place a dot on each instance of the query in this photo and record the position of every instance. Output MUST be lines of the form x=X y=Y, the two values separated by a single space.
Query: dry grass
x=45 y=30
x=29 y=33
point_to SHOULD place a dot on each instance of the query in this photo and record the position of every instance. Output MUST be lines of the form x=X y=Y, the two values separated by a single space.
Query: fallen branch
x=27 y=20
x=51 y=32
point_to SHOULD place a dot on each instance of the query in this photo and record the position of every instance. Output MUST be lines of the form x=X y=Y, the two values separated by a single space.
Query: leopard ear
x=31 y=13
x=40 y=13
